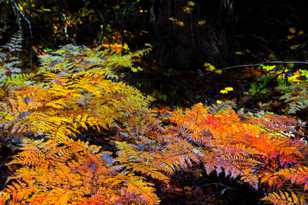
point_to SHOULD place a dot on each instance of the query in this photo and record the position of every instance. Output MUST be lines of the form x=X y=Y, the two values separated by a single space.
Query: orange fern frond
x=72 y=173
x=285 y=198
x=238 y=148
x=296 y=175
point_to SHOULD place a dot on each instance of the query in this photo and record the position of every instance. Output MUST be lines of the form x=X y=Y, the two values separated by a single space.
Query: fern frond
x=31 y=156
x=73 y=173
x=15 y=42
x=285 y=198
x=296 y=175
x=139 y=161
x=45 y=110
x=10 y=58
x=18 y=79
x=237 y=148
x=296 y=97
x=138 y=186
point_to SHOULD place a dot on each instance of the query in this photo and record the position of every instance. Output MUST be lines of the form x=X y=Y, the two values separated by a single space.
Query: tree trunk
x=8 y=25
x=15 y=40
x=189 y=34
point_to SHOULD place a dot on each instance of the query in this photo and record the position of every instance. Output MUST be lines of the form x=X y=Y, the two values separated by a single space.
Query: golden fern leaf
x=72 y=173
x=176 y=155
x=296 y=175
x=31 y=156
x=285 y=198
x=140 y=187
x=73 y=101
x=139 y=161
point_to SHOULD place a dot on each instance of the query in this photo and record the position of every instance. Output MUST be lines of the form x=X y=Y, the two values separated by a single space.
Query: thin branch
x=266 y=62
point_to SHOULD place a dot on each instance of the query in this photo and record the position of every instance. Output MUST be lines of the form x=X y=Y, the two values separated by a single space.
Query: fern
x=72 y=173
x=71 y=59
x=56 y=105
x=15 y=42
x=73 y=92
x=278 y=123
x=222 y=142
x=159 y=163
x=296 y=97
x=66 y=103
x=285 y=198
x=296 y=175
x=10 y=60
x=241 y=148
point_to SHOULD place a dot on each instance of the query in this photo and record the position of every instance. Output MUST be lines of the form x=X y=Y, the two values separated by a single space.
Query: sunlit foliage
x=290 y=81
x=76 y=92
x=222 y=143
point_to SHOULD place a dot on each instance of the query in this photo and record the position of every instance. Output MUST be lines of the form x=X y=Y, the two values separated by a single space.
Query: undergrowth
x=77 y=90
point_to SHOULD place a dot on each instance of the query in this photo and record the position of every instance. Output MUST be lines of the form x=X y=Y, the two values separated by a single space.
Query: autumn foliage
x=56 y=165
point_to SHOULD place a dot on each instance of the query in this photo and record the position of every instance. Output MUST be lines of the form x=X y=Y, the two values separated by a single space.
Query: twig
x=266 y=62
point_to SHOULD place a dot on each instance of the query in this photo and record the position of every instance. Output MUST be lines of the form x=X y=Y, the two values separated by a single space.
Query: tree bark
x=8 y=24
x=189 y=39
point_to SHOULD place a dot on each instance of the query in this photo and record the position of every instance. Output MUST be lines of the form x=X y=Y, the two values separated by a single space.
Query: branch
x=266 y=62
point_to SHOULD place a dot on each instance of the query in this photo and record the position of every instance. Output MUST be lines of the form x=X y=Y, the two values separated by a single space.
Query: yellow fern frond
x=285 y=198
x=140 y=187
